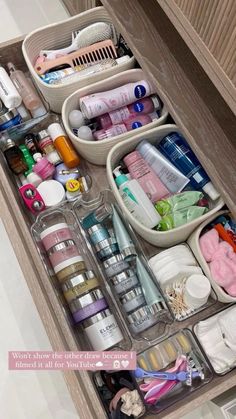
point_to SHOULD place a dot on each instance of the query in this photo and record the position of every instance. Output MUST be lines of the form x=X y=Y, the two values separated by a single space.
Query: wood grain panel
x=77 y=6
x=188 y=93
x=209 y=29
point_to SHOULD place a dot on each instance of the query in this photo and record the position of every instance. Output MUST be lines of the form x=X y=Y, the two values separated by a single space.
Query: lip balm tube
x=124 y=281
x=115 y=265
x=79 y=285
x=102 y=331
x=99 y=103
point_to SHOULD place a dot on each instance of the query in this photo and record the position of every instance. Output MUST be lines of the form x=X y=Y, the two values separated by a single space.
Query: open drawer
x=50 y=308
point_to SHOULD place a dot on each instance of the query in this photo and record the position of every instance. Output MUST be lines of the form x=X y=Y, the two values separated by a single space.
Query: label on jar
x=117 y=268
x=104 y=334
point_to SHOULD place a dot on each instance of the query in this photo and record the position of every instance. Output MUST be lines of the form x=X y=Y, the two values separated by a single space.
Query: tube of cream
x=178 y=202
x=124 y=241
x=181 y=217
x=150 y=291
x=171 y=177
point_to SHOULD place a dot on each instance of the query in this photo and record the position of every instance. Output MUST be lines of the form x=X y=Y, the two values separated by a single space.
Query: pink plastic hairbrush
x=92 y=54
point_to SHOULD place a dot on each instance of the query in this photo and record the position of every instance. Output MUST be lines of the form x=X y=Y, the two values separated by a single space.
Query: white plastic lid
x=34 y=179
x=123 y=59
x=153 y=116
x=37 y=156
x=52 y=192
x=55 y=130
x=156 y=102
x=211 y=191
x=197 y=290
x=144 y=147
x=40 y=111
x=53 y=228
x=54 y=157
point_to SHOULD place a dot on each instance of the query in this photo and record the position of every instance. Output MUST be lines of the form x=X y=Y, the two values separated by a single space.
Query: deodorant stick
x=99 y=103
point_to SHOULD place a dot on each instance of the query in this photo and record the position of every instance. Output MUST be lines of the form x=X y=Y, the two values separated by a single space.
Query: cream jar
x=133 y=299
x=55 y=234
x=114 y=265
x=102 y=331
x=79 y=285
x=61 y=252
x=124 y=281
x=71 y=269
x=141 y=319
x=87 y=306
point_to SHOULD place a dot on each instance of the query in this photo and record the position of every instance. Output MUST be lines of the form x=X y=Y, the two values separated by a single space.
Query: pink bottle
x=43 y=167
x=143 y=173
x=131 y=123
x=142 y=106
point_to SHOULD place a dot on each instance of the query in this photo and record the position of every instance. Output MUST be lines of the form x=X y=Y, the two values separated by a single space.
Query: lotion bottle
x=136 y=200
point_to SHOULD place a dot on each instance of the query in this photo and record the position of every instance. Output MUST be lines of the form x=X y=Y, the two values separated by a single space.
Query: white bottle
x=136 y=200
x=8 y=92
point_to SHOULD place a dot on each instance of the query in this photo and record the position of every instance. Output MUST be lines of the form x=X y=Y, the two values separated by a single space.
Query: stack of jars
x=80 y=286
x=122 y=276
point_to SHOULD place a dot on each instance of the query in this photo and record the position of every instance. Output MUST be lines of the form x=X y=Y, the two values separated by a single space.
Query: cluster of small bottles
x=19 y=100
x=141 y=301
x=80 y=285
x=118 y=113
x=46 y=165
x=157 y=175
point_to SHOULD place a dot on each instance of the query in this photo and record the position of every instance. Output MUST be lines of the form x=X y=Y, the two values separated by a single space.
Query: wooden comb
x=94 y=53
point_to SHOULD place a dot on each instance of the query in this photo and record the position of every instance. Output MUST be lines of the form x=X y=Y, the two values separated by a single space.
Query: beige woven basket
x=157 y=238
x=58 y=35
x=96 y=151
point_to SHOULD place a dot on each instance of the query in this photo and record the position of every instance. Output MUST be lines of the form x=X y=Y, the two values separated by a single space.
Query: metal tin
x=105 y=243
x=114 y=265
x=90 y=310
x=61 y=246
x=141 y=319
x=109 y=251
x=124 y=281
x=85 y=300
x=78 y=280
x=71 y=270
x=94 y=319
x=133 y=299
x=98 y=233
x=8 y=116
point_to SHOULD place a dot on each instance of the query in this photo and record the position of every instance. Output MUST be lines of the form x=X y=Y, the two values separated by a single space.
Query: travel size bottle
x=29 y=95
x=136 y=200
x=14 y=157
x=63 y=145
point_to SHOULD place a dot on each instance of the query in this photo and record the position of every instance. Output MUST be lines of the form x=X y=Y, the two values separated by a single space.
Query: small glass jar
x=133 y=299
x=79 y=285
x=124 y=281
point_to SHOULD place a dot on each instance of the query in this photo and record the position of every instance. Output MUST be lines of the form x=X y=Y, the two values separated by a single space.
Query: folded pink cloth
x=209 y=243
x=221 y=258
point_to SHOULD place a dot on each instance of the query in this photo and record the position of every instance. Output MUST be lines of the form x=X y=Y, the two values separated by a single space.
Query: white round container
x=96 y=151
x=158 y=238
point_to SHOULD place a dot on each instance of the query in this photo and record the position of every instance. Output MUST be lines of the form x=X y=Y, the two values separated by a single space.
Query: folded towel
x=227 y=322
x=209 y=243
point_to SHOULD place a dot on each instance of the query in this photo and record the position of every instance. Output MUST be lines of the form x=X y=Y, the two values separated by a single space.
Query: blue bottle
x=176 y=149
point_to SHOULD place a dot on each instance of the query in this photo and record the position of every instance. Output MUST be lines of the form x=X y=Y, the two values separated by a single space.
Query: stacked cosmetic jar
x=81 y=287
